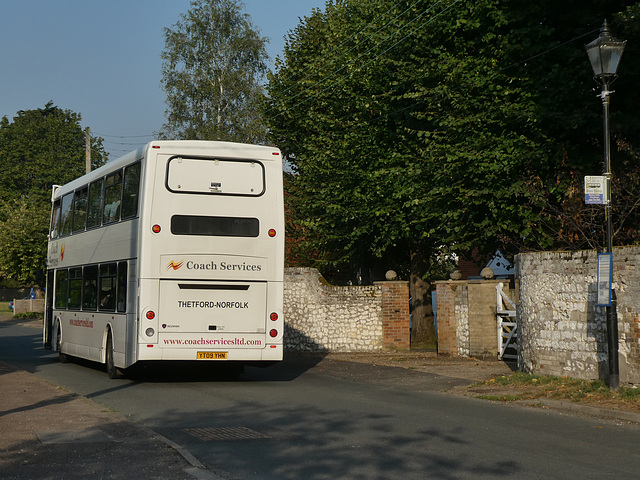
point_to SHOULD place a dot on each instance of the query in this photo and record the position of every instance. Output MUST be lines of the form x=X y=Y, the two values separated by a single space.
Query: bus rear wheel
x=64 y=358
x=112 y=370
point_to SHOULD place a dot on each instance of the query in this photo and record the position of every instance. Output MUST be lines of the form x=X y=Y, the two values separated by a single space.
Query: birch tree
x=213 y=63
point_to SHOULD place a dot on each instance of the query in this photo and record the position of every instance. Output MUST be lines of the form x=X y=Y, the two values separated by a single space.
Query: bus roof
x=174 y=147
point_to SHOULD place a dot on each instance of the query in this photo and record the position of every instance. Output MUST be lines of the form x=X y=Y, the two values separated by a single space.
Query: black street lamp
x=604 y=54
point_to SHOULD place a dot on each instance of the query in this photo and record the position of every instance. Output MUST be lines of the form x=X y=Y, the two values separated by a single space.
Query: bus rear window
x=215 y=226
x=214 y=176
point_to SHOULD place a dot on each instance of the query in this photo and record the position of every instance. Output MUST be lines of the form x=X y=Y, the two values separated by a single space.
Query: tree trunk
x=422 y=329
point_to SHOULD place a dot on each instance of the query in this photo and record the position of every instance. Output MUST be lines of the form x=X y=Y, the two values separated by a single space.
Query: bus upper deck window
x=66 y=214
x=55 y=220
x=112 y=197
x=94 y=208
x=130 y=191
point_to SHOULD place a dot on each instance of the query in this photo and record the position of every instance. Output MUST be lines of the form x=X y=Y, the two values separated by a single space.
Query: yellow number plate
x=212 y=356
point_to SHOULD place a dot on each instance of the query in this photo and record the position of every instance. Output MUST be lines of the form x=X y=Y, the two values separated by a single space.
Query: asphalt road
x=313 y=418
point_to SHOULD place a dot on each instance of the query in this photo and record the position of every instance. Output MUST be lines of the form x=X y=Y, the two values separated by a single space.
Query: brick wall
x=467 y=317
x=395 y=315
x=322 y=317
x=447 y=325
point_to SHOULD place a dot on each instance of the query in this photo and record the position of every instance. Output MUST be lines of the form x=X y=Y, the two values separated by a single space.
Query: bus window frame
x=74 y=277
x=115 y=206
x=124 y=204
x=54 y=228
x=94 y=211
x=121 y=286
x=214 y=193
x=112 y=292
x=79 y=195
x=66 y=201
x=61 y=298
x=93 y=306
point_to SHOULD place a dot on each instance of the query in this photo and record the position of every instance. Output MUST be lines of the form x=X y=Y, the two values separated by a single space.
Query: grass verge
x=523 y=386
x=4 y=308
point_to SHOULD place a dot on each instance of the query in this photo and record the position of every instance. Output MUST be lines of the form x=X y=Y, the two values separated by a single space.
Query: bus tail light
x=273 y=333
x=149 y=332
x=272 y=232
x=156 y=228
x=273 y=316
x=151 y=315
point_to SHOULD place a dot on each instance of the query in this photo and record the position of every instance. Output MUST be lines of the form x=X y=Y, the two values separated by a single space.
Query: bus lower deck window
x=215 y=226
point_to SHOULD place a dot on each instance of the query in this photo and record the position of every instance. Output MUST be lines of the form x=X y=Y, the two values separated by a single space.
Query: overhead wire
x=335 y=59
x=125 y=143
x=524 y=61
x=368 y=51
x=125 y=136
x=547 y=51
x=492 y=74
x=322 y=80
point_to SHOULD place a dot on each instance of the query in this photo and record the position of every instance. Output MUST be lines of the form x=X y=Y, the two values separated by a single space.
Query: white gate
x=507 y=327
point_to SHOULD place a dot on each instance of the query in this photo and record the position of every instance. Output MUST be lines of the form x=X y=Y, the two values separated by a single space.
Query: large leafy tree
x=213 y=63
x=421 y=128
x=551 y=66
x=41 y=148
x=38 y=149
x=23 y=241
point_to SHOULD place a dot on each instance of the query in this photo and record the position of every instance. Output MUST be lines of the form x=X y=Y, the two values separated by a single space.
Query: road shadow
x=291 y=367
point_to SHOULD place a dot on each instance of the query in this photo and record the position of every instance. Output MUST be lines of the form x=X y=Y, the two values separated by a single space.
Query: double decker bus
x=173 y=252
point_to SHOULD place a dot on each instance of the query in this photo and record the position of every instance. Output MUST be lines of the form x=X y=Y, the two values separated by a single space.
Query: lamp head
x=604 y=54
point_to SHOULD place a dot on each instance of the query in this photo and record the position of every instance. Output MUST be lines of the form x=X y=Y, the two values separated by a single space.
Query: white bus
x=172 y=252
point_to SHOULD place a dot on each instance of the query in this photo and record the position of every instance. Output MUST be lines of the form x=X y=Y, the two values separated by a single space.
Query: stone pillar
x=396 y=328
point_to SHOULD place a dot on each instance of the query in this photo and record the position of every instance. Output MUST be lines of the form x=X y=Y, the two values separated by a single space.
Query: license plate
x=212 y=356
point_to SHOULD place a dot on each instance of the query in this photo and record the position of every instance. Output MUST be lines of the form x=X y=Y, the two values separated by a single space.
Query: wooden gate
x=507 y=326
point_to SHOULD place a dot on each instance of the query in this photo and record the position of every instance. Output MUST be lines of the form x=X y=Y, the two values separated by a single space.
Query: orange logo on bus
x=62 y=252
x=175 y=265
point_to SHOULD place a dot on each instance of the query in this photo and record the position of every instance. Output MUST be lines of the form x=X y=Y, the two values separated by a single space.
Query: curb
x=583 y=409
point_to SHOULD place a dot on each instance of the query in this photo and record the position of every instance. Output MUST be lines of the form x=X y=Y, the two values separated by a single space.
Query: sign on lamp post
x=595 y=190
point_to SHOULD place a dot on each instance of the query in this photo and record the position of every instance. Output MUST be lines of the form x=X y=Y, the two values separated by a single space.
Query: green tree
x=23 y=241
x=41 y=148
x=419 y=129
x=557 y=76
x=38 y=149
x=213 y=62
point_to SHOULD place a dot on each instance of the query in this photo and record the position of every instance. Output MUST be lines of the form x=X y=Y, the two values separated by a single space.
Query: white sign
x=605 y=273
x=595 y=190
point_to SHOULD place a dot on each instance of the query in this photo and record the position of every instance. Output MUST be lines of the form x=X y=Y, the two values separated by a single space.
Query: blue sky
x=101 y=59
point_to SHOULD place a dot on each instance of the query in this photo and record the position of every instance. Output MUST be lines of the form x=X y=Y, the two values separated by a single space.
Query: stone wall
x=467 y=323
x=562 y=331
x=321 y=317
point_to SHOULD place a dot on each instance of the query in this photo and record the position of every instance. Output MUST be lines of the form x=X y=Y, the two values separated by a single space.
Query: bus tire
x=63 y=357
x=112 y=370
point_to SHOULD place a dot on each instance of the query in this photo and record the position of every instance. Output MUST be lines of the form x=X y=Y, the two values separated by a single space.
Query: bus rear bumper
x=271 y=353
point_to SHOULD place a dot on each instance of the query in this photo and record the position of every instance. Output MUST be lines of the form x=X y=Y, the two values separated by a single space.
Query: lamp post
x=604 y=54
